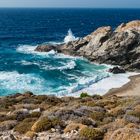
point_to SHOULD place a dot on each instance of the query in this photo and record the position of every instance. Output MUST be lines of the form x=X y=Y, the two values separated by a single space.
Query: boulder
x=45 y=48
x=131 y=118
x=74 y=126
x=116 y=70
x=7 y=125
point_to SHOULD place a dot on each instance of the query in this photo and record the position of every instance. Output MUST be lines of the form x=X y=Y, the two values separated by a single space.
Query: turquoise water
x=22 y=69
x=47 y=73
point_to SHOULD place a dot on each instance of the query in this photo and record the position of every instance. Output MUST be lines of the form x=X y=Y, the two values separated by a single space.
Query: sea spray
x=70 y=37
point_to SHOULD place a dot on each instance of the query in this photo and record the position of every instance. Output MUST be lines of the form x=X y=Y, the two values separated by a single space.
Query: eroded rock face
x=133 y=25
x=119 y=47
x=45 y=48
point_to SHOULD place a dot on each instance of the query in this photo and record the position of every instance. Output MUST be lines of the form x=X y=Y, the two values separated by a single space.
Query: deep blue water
x=22 y=69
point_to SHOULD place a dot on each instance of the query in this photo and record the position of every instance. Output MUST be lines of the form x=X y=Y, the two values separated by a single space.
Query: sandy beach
x=132 y=88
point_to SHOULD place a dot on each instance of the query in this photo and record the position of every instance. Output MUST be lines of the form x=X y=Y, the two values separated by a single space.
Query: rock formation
x=118 y=47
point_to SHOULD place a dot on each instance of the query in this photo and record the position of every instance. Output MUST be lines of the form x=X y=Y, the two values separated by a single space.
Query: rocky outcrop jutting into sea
x=119 y=47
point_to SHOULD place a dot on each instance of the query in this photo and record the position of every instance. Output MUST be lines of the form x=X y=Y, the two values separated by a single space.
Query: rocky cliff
x=118 y=47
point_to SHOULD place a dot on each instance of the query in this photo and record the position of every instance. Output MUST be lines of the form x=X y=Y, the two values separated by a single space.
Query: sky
x=72 y=3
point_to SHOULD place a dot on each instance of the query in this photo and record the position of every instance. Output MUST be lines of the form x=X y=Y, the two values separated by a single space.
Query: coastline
x=131 y=88
x=107 y=86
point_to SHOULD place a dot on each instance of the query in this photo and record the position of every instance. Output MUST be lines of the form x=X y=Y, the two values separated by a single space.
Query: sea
x=23 y=69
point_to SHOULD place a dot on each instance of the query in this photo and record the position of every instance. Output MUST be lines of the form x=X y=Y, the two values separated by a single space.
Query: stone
x=129 y=26
x=45 y=48
x=74 y=127
x=116 y=70
x=7 y=125
x=132 y=119
x=8 y=137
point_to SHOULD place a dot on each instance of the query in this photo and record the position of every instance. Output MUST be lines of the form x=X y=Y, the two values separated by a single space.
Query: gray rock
x=116 y=70
x=121 y=47
x=7 y=125
x=8 y=137
x=132 y=119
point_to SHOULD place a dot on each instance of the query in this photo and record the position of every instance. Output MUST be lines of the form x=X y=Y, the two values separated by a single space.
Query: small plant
x=46 y=124
x=83 y=95
x=35 y=114
x=25 y=125
x=30 y=134
x=91 y=134
x=97 y=116
x=134 y=113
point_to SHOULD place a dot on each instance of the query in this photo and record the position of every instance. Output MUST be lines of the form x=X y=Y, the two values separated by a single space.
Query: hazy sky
x=71 y=3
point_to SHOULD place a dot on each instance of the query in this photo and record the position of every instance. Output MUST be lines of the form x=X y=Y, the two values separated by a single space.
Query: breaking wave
x=70 y=37
x=15 y=82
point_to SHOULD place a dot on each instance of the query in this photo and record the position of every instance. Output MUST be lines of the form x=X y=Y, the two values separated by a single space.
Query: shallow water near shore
x=23 y=69
x=49 y=73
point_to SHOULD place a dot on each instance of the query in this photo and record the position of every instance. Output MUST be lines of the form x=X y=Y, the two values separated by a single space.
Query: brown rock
x=45 y=48
x=123 y=134
x=133 y=25
x=7 y=125
x=74 y=126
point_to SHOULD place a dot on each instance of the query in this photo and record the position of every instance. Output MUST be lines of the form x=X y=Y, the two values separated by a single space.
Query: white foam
x=70 y=37
x=26 y=63
x=104 y=85
x=20 y=82
x=81 y=84
x=29 y=49
x=66 y=66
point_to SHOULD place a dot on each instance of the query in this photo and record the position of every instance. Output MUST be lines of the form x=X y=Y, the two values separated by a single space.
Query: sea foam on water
x=70 y=37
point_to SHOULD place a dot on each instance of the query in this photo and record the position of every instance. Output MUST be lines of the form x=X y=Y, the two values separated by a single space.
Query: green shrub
x=97 y=116
x=90 y=103
x=35 y=114
x=46 y=124
x=25 y=125
x=91 y=134
x=83 y=95
x=134 y=113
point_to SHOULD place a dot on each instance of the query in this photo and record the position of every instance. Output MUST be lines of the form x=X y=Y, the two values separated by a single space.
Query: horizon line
x=75 y=7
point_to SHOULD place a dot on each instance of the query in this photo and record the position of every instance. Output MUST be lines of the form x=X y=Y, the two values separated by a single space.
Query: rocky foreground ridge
x=118 y=47
x=31 y=117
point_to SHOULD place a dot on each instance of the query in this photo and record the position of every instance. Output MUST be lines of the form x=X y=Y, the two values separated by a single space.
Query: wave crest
x=70 y=37
x=66 y=66
x=16 y=82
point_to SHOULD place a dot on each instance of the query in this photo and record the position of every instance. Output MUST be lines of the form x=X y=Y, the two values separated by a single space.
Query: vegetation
x=91 y=134
x=25 y=125
x=135 y=113
x=79 y=118
x=83 y=95
x=46 y=124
